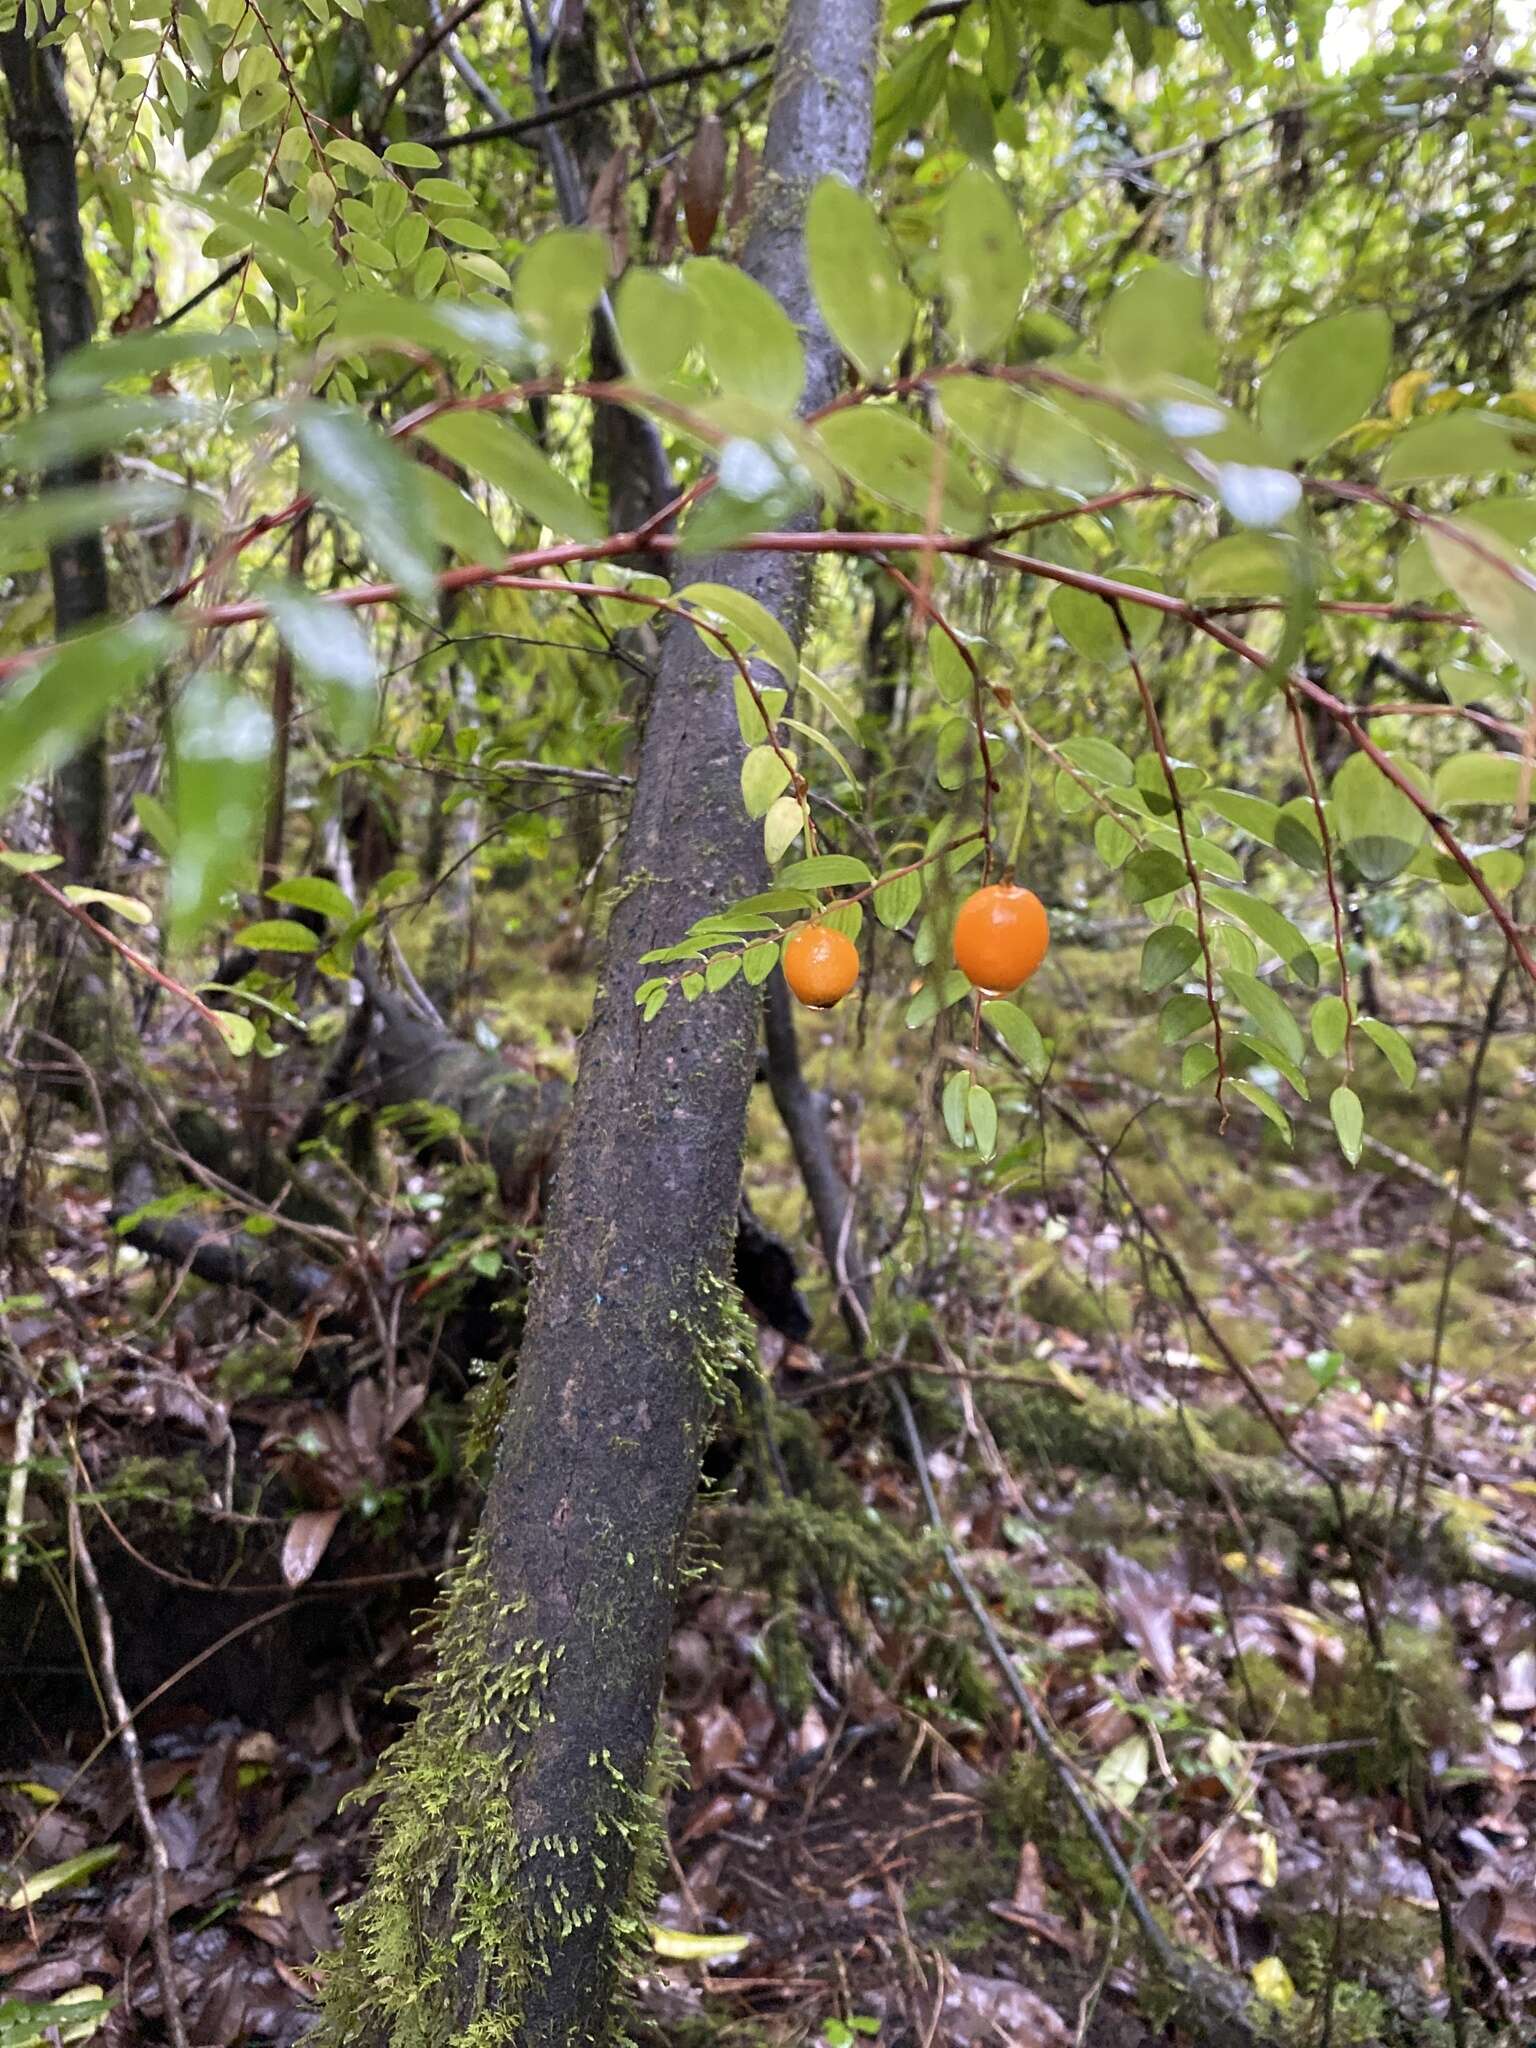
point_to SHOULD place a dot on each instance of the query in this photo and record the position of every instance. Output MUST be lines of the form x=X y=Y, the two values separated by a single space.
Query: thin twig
x=133 y=1756
x=601 y=96
x=1453 y=1235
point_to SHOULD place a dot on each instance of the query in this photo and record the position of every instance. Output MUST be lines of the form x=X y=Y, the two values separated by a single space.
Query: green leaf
x=457 y=522
x=1324 y=380
x=934 y=996
x=1168 y=954
x=73 y=2016
x=1153 y=873
x=1112 y=842
x=1297 y=836
x=1330 y=1025
x=759 y=961
x=507 y=459
x=782 y=826
x=983 y=263
x=1028 y=440
x=753 y=722
x=1242 y=565
x=33 y=524
x=982 y=1113
x=1087 y=623
x=1250 y=814
x=1378 y=826
x=658 y=323
x=335 y=655
x=412 y=156
x=1349 y=1121
x=365 y=478
x=857 y=279
x=1198 y=1062
x=30 y=863
x=1500 y=867
x=894 y=458
x=1155 y=328
x=1493 y=582
x=1100 y=758
x=748 y=341
x=1019 y=1033
x=896 y=901
x=1394 y=1048
x=1267 y=1054
x=749 y=625
x=558 y=282
x=1262 y=1100
x=48 y=711
x=480 y=334
x=126 y=906
x=1466 y=443
x=1271 y=925
x=1479 y=779
x=60 y=1876
x=278 y=935
x=825 y=871
x=955 y=1103
x=1180 y=1015
x=764 y=776
x=277 y=242
x=223 y=741
x=1268 y=1011
x=314 y=892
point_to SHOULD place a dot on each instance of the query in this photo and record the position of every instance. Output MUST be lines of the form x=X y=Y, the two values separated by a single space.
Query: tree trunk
x=515 y=1836
x=42 y=133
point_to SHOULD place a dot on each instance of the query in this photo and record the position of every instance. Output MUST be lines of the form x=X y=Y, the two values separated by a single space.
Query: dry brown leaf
x=704 y=184
x=306 y=1541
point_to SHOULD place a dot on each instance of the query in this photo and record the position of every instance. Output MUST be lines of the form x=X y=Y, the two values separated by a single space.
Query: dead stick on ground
x=154 y=1842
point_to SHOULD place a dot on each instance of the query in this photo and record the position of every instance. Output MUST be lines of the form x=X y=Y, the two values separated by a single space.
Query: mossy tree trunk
x=42 y=132
x=514 y=1832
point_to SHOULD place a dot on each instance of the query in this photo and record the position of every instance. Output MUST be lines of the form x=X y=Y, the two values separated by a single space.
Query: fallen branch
x=1172 y=1451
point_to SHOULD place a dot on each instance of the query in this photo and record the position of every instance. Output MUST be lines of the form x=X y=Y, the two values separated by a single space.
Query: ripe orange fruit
x=1001 y=933
x=820 y=965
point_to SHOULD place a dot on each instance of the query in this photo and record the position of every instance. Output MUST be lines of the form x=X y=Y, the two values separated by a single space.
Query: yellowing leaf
x=1123 y=1772
x=679 y=1947
x=1272 y=1981
x=59 y=1876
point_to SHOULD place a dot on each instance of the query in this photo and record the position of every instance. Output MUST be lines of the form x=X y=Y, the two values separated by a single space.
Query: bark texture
x=42 y=133
x=520 y=1811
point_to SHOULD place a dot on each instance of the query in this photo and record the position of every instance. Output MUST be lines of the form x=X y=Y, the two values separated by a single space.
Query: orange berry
x=1001 y=934
x=820 y=965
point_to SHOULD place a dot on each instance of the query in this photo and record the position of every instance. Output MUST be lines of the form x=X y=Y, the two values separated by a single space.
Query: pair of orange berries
x=1001 y=933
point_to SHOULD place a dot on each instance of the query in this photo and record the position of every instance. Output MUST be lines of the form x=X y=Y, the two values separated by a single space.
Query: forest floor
x=858 y=1803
